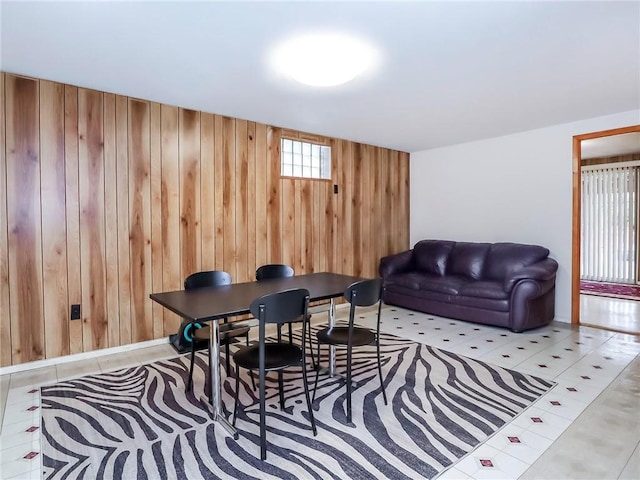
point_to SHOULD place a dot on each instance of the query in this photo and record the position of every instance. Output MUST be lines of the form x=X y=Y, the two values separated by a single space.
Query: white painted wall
x=516 y=188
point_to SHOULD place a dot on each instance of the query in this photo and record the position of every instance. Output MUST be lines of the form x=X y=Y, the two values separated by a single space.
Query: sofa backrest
x=430 y=256
x=506 y=258
x=480 y=261
x=468 y=259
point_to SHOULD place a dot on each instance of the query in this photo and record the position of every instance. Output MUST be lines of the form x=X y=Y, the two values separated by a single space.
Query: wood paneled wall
x=106 y=199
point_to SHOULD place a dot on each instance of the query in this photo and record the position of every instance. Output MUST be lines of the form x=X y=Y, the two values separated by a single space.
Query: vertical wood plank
x=5 y=306
x=54 y=241
x=228 y=195
x=332 y=245
x=318 y=226
x=394 y=169
x=189 y=147
x=331 y=215
x=327 y=233
x=306 y=230
x=404 y=202
x=293 y=225
x=241 y=172
x=122 y=207
x=364 y=210
x=250 y=242
x=218 y=161
x=377 y=221
x=140 y=220
x=171 y=277
x=288 y=235
x=274 y=233
x=350 y=242
x=376 y=206
x=24 y=219
x=156 y=217
x=395 y=193
x=207 y=191
x=111 y=219
x=356 y=213
x=74 y=280
x=388 y=201
x=260 y=205
x=92 y=219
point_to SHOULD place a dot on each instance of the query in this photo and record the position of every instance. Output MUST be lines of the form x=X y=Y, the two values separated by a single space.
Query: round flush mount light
x=324 y=60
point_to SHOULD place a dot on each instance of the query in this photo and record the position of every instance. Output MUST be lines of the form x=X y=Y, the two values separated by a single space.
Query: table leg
x=332 y=349
x=214 y=402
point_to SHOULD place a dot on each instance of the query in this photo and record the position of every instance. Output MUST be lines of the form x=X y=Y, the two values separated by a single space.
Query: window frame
x=311 y=146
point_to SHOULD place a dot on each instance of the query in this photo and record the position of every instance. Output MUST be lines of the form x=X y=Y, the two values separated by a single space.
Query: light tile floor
x=621 y=314
x=586 y=427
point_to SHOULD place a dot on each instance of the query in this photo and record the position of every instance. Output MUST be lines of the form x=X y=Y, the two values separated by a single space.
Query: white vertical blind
x=609 y=224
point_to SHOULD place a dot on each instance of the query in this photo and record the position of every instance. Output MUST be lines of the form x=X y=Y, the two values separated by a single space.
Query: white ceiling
x=450 y=72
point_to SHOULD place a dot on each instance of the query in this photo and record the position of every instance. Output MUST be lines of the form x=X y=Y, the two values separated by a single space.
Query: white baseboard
x=562 y=320
x=81 y=356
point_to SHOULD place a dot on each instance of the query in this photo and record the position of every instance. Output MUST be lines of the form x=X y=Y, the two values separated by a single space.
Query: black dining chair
x=275 y=356
x=364 y=293
x=274 y=270
x=278 y=270
x=212 y=278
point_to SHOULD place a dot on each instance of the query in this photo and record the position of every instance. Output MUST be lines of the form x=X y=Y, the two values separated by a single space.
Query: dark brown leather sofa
x=504 y=284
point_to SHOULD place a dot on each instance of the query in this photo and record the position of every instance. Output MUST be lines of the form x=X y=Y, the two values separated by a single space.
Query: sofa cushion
x=484 y=289
x=500 y=305
x=506 y=258
x=408 y=280
x=467 y=259
x=430 y=256
x=449 y=284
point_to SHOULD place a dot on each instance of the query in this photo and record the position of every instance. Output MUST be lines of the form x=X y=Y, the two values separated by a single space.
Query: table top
x=209 y=303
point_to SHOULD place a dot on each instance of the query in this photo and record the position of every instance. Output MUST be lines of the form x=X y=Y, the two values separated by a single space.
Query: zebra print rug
x=139 y=423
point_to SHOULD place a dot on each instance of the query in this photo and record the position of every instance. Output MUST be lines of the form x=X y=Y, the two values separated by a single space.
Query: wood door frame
x=577 y=220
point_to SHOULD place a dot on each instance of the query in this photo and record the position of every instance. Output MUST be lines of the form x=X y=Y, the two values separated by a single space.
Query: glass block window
x=304 y=159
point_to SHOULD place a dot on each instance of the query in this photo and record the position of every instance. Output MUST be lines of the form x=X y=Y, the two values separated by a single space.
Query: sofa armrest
x=399 y=262
x=541 y=271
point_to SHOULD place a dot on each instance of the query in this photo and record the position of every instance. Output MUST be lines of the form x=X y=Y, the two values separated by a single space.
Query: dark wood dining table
x=210 y=304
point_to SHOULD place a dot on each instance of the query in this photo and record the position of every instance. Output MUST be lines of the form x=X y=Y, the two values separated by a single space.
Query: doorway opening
x=605 y=267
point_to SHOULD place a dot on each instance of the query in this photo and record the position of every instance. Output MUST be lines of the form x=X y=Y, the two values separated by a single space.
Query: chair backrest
x=364 y=293
x=274 y=271
x=281 y=307
x=211 y=278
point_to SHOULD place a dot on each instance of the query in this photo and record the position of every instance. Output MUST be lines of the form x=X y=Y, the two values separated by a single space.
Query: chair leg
x=349 y=353
x=313 y=359
x=281 y=388
x=209 y=371
x=226 y=351
x=384 y=394
x=306 y=393
x=253 y=382
x=263 y=440
x=193 y=359
x=235 y=405
x=315 y=384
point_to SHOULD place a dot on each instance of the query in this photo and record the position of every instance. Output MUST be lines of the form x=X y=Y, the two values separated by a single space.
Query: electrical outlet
x=75 y=312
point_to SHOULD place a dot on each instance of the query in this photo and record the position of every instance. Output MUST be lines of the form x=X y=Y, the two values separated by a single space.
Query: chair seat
x=277 y=356
x=340 y=336
x=227 y=330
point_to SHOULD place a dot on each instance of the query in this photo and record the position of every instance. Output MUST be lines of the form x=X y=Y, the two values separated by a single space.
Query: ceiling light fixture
x=324 y=60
